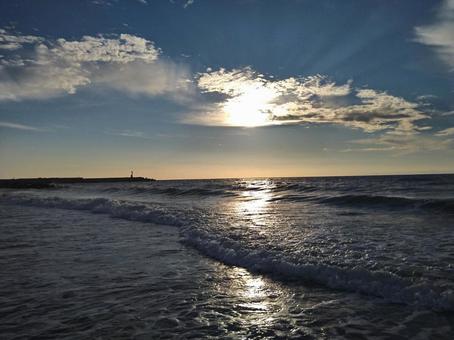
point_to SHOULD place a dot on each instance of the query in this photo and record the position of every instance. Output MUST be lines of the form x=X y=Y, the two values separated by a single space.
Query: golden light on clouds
x=246 y=98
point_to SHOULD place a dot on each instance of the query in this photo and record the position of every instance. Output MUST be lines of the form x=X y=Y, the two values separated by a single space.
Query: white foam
x=116 y=208
x=377 y=283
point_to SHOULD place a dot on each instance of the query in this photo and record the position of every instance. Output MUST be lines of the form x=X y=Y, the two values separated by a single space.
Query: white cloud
x=127 y=63
x=380 y=111
x=14 y=42
x=123 y=49
x=159 y=78
x=446 y=132
x=426 y=97
x=188 y=3
x=102 y=2
x=401 y=144
x=129 y=133
x=19 y=126
x=440 y=35
x=251 y=99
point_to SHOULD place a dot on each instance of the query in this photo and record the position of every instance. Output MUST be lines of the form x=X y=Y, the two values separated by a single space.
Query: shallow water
x=346 y=257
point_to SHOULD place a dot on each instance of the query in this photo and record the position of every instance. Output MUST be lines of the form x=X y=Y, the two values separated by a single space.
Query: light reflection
x=253 y=205
x=252 y=291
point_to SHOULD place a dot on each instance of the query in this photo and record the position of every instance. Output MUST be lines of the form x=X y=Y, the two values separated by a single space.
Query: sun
x=251 y=108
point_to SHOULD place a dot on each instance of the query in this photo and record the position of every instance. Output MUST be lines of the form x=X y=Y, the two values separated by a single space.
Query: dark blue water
x=289 y=257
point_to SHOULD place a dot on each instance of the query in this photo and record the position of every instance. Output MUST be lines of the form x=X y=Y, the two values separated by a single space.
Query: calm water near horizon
x=315 y=258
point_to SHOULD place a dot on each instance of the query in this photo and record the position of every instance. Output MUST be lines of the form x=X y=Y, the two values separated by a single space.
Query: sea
x=269 y=258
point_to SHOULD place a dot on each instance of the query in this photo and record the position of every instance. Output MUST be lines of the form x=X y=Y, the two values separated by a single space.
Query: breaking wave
x=376 y=283
x=133 y=211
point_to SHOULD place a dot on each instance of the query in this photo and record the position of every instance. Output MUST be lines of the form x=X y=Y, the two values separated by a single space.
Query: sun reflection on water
x=253 y=204
x=251 y=290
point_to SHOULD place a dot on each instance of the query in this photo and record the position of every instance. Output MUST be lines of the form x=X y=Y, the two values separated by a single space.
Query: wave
x=171 y=191
x=374 y=201
x=214 y=244
x=439 y=205
x=133 y=211
x=234 y=189
x=296 y=187
x=293 y=198
x=192 y=192
x=382 y=284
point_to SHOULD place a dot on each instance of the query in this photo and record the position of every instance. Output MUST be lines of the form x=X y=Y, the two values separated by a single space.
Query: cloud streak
x=188 y=3
x=401 y=144
x=16 y=126
x=129 y=133
x=446 y=132
x=440 y=34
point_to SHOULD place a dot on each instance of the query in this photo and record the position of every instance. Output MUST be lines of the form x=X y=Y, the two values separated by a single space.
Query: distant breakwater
x=51 y=182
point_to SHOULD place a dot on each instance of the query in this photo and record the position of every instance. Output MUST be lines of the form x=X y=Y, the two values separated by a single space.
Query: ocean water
x=315 y=258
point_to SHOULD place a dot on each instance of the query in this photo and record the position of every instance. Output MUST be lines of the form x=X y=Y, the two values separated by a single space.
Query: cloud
x=248 y=98
x=184 y=3
x=19 y=126
x=102 y=2
x=128 y=133
x=161 y=78
x=401 y=144
x=440 y=34
x=426 y=97
x=13 y=42
x=123 y=49
x=380 y=111
x=124 y=62
x=188 y=3
x=446 y=132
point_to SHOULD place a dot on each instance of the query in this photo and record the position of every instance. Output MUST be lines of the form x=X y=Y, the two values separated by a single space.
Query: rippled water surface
x=350 y=257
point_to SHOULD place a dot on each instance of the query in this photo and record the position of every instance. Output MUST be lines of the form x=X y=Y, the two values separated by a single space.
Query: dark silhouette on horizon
x=50 y=182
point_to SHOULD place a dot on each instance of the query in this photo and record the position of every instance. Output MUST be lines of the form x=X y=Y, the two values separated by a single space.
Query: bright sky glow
x=251 y=108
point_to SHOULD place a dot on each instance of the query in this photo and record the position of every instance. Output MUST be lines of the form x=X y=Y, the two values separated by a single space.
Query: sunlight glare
x=250 y=109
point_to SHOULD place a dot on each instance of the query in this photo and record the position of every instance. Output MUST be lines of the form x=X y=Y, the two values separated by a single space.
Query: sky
x=217 y=89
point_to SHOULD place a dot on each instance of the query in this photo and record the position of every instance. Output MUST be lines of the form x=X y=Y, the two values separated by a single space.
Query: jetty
x=51 y=182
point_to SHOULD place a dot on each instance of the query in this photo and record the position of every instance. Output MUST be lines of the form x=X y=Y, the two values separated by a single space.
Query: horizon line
x=231 y=178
